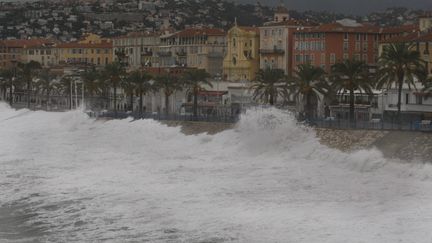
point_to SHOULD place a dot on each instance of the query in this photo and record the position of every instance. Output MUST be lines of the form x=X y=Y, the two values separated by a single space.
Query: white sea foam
x=267 y=180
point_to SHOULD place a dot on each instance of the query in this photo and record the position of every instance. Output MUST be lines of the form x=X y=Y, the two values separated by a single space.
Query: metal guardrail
x=165 y=117
x=373 y=125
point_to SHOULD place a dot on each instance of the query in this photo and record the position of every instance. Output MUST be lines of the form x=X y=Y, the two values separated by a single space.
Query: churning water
x=65 y=177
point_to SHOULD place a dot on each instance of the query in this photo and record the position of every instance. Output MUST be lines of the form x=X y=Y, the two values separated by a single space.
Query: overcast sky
x=348 y=6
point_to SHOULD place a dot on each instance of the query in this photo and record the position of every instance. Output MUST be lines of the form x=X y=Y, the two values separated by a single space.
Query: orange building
x=328 y=44
x=22 y=50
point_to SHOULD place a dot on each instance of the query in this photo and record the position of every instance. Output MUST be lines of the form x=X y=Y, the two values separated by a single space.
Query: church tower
x=281 y=13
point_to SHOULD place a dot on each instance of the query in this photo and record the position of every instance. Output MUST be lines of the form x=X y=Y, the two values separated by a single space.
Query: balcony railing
x=164 y=53
x=272 y=51
x=147 y=54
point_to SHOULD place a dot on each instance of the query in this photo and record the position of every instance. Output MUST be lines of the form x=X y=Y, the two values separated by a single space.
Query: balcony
x=275 y=51
x=181 y=53
x=164 y=53
x=147 y=54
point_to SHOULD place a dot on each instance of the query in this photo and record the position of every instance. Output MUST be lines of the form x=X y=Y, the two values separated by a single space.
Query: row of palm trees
x=31 y=79
x=399 y=64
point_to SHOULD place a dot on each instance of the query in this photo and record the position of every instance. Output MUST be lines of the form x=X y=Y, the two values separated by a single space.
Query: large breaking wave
x=67 y=177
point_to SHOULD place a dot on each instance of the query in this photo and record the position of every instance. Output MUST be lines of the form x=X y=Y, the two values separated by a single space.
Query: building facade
x=140 y=48
x=328 y=44
x=25 y=50
x=276 y=44
x=202 y=48
x=415 y=104
x=241 y=61
x=91 y=49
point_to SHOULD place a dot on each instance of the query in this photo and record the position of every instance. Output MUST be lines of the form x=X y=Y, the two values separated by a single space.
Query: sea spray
x=68 y=177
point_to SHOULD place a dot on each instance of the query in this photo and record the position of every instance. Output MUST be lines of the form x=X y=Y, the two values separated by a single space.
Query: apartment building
x=328 y=44
x=25 y=50
x=139 y=48
x=202 y=48
x=91 y=49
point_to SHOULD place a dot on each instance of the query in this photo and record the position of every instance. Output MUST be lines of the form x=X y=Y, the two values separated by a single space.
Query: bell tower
x=281 y=13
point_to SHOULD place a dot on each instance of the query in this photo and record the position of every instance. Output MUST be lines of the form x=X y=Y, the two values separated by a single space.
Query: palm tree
x=66 y=88
x=399 y=64
x=47 y=83
x=269 y=84
x=128 y=87
x=113 y=74
x=351 y=75
x=143 y=84
x=6 y=82
x=195 y=79
x=308 y=83
x=27 y=72
x=92 y=84
x=169 y=85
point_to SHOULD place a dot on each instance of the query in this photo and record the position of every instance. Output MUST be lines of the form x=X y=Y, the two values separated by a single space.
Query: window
x=365 y=37
x=323 y=58
x=357 y=46
x=365 y=46
x=345 y=56
x=234 y=42
x=358 y=37
x=357 y=57
x=345 y=46
x=346 y=36
x=365 y=58
x=297 y=58
x=332 y=58
x=419 y=100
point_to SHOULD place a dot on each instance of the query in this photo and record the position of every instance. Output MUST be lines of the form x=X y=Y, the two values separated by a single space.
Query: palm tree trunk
x=195 y=103
x=400 y=84
x=48 y=100
x=28 y=93
x=140 y=102
x=167 y=103
x=352 y=106
x=271 y=99
x=11 y=92
x=115 y=99
x=308 y=108
x=131 y=101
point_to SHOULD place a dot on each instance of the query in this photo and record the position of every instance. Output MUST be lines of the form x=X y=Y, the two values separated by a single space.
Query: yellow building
x=241 y=62
x=91 y=49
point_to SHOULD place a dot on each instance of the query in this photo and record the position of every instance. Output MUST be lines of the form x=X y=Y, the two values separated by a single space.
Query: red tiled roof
x=290 y=22
x=86 y=45
x=425 y=37
x=249 y=28
x=412 y=37
x=402 y=38
x=200 y=31
x=337 y=27
x=25 y=43
x=401 y=29
x=360 y=28
x=137 y=34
